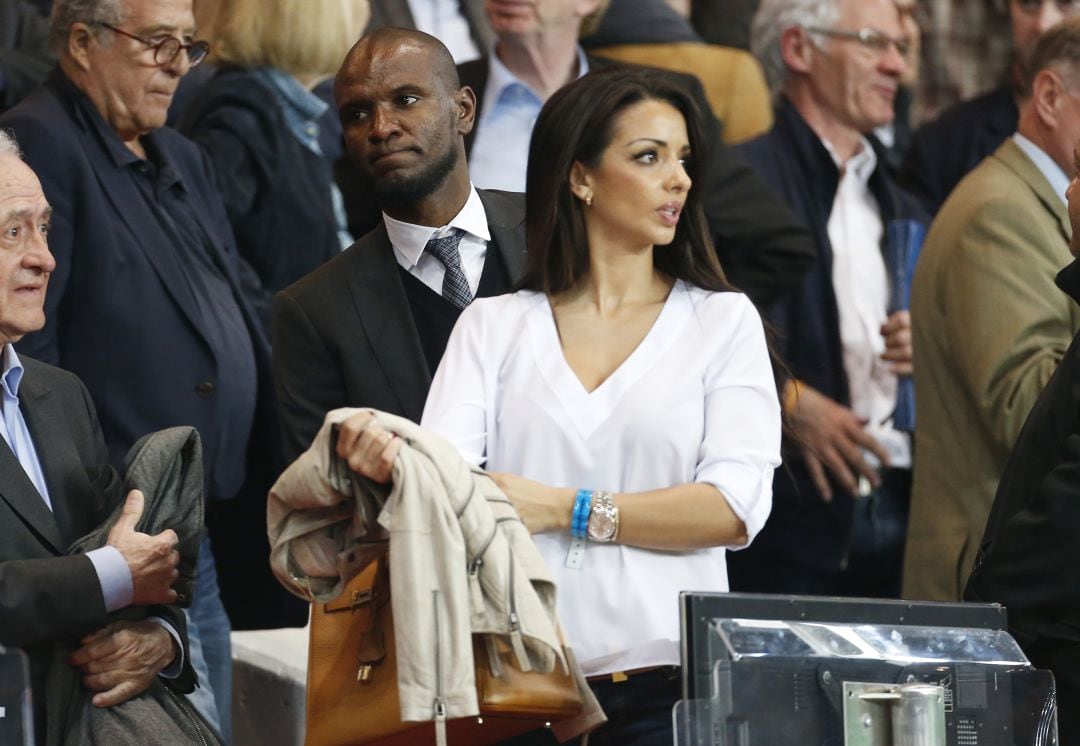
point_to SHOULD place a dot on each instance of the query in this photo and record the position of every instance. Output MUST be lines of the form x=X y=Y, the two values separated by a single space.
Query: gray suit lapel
x=16 y=489
x=70 y=491
x=507 y=233
x=380 y=301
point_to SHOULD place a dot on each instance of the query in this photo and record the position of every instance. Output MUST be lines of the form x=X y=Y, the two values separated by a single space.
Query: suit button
x=204 y=389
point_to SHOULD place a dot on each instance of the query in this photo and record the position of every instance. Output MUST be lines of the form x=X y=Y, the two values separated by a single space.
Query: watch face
x=601 y=525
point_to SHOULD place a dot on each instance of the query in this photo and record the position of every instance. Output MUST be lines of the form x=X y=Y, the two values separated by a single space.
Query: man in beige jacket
x=989 y=325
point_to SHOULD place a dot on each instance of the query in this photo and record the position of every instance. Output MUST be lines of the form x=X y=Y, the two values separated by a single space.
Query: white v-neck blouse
x=694 y=402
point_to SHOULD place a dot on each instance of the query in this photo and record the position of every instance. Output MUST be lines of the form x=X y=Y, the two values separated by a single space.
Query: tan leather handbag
x=352 y=692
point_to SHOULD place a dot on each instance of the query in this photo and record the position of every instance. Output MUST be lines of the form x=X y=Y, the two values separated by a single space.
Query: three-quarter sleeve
x=741 y=446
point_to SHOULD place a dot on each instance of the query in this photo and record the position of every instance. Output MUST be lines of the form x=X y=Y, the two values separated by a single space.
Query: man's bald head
x=405 y=116
x=391 y=42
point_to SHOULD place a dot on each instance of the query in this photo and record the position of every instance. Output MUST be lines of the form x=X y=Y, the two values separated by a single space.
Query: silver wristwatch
x=603 y=519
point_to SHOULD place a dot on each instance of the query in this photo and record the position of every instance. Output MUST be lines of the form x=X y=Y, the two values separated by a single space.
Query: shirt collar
x=1059 y=180
x=410 y=239
x=12 y=373
x=861 y=165
x=500 y=78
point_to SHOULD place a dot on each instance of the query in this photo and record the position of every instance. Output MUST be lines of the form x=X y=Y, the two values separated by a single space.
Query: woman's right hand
x=367 y=447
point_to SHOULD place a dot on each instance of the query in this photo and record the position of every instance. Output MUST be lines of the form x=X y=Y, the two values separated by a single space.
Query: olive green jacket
x=990 y=327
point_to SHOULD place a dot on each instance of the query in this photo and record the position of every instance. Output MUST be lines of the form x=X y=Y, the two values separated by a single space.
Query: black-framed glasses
x=165 y=51
x=870 y=38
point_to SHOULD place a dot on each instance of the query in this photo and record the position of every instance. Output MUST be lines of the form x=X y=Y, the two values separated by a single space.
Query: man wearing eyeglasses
x=145 y=304
x=840 y=509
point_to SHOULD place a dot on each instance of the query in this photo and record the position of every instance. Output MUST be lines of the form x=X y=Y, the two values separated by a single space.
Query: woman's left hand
x=542 y=508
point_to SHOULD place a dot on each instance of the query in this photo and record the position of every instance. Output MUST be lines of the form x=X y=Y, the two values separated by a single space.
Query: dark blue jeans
x=638 y=711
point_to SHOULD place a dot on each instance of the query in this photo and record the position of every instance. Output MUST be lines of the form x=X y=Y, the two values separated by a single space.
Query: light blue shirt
x=1059 y=180
x=302 y=110
x=500 y=152
x=111 y=567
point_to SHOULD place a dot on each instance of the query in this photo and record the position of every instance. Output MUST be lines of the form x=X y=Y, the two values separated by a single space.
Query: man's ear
x=1047 y=94
x=465 y=101
x=796 y=48
x=80 y=37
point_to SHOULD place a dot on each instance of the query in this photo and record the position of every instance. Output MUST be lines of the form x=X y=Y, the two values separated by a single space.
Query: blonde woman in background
x=258 y=120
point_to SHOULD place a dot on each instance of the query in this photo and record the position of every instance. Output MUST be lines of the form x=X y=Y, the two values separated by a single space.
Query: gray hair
x=66 y=13
x=773 y=18
x=8 y=146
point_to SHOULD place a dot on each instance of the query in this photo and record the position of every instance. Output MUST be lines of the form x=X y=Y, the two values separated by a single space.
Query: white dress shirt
x=443 y=20
x=860 y=283
x=694 y=402
x=499 y=157
x=409 y=240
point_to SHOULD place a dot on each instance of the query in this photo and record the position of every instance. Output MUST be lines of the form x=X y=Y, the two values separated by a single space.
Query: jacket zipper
x=476 y=595
x=183 y=708
x=439 y=705
x=516 y=641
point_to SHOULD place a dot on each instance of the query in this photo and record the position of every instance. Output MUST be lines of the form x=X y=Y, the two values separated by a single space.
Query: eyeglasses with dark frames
x=870 y=38
x=165 y=51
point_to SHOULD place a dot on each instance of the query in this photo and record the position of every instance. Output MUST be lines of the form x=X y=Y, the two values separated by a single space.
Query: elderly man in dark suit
x=145 y=305
x=369 y=327
x=56 y=485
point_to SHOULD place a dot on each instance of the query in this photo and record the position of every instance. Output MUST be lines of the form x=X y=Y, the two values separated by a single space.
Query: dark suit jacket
x=48 y=596
x=344 y=336
x=120 y=316
x=396 y=13
x=118 y=312
x=796 y=165
x=1029 y=553
x=763 y=248
x=943 y=151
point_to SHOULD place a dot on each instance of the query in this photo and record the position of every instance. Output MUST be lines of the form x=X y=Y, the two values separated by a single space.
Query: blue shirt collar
x=500 y=78
x=12 y=372
x=1059 y=180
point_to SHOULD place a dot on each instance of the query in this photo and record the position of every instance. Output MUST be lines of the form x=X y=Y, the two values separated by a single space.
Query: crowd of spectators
x=346 y=176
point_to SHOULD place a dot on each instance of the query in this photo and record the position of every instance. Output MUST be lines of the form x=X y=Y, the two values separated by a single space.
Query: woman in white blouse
x=624 y=396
